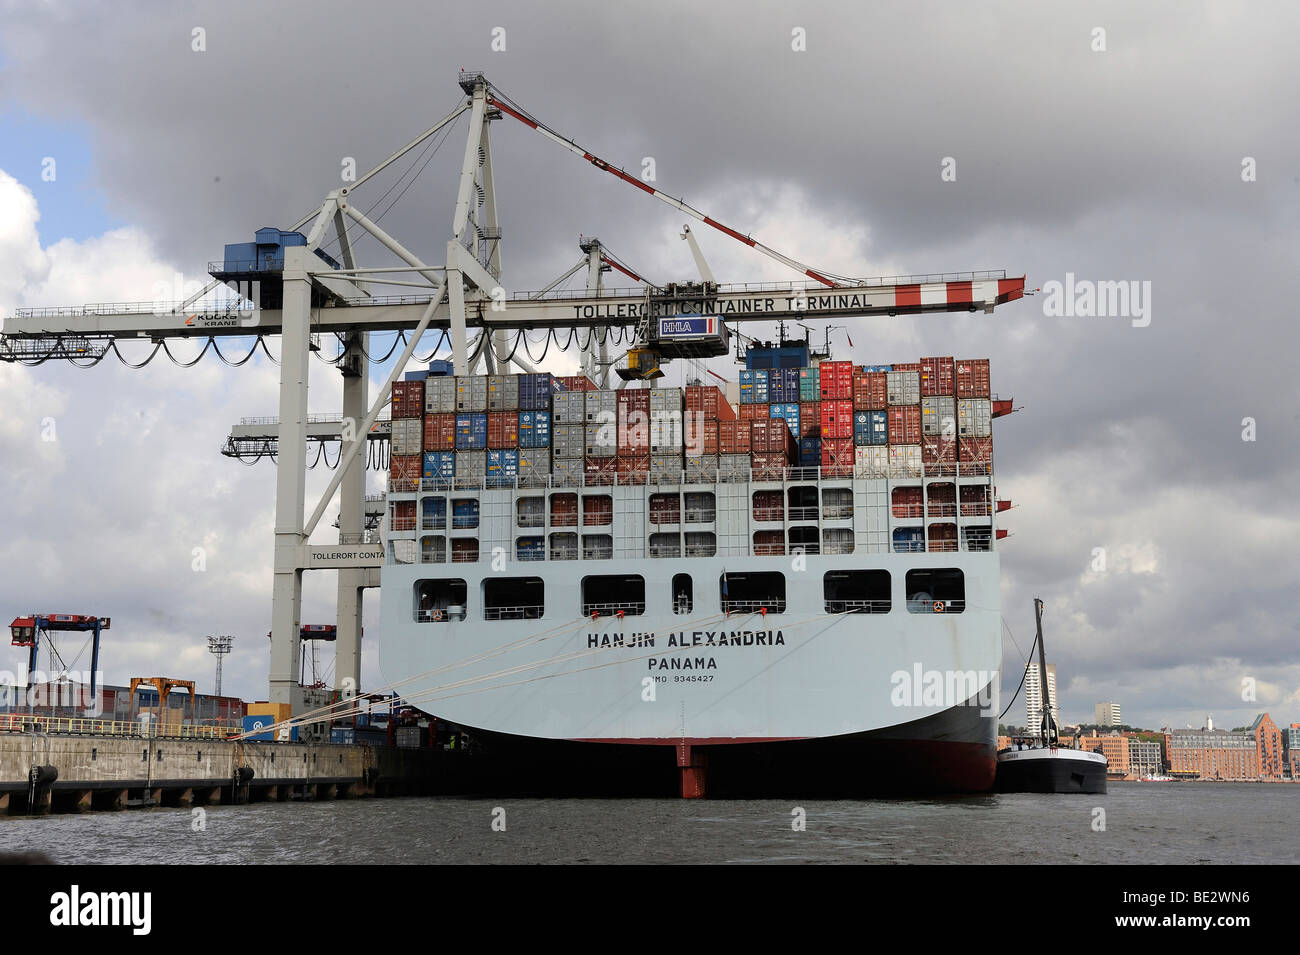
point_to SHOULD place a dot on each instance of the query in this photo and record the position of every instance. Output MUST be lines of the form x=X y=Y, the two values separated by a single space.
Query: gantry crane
x=28 y=632
x=287 y=286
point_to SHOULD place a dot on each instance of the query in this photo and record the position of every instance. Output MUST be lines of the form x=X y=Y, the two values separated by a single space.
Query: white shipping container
x=407 y=435
x=666 y=430
x=569 y=440
x=534 y=466
x=733 y=467
x=566 y=471
x=904 y=460
x=471 y=393
x=939 y=416
x=665 y=468
x=600 y=407
x=974 y=417
x=871 y=462
x=665 y=399
x=903 y=387
x=601 y=440
x=503 y=392
x=569 y=407
x=440 y=395
x=702 y=469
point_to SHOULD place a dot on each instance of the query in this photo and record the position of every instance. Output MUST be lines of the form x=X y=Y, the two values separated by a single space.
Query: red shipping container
x=634 y=420
x=633 y=468
x=564 y=510
x=600 y=470
x=665 y=509
x=941 y=500
x=906 y=366
x=905 y=424
x=837 y=419
x=710 y=400
x=408 y=399
x=733 y=437
x=404 y=471
x=938 y=454
x=937 y=377
x=836 y=380
x=770 y=465
x=906 y=502
x=769 y=543
x=577 y=383
x=974 y=455
x=401 y=516
x=464 y=550
x=700 y=434
x=837 y=456
x=440 y=432
x=769 y=505
x=942 y=537
x=973 y=378
x=870 y=391
x=502 y=429
x=755 y=412
x=597 y=510
x=810 y=419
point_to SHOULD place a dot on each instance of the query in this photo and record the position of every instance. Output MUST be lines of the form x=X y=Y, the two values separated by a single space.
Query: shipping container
x=564 y=510
x=569 y=407
x=787 y=411
x=633 y=467
x=908 y=366
x=837 y=418
x=502 y=466
x=769 y=465
x=753 y=387
x=942 y=537
x=503 y=429
x=905 y=424
x=939 y=416
x=783 y=385
x=464 y=550
x=665 y=431
x=665 y=468
x=568 y=440
x=600 y=440
x=938 y=377
x=810 y=452
x=503 y=393
x=870 y=427
x=973 y=378
x=809 y=384
x=577 y=383
x=769 y=543
x=872 y=462
x=404 y=472
x=905 y=460
x=439 y=467
x=471 y=468
x=471 y=393
x=439 y=432
x=408 y=399
x=869 y=369
x=600 y=407
x=939 y=455
x=530 y=548
x=810 y=419
x=871 y=391
x=567 y=472
x=534 y=429
x=440 y=395
x=536 y=391
x=755 y=412
x=700 y=434
x=600 y=469
x=471 y=432
x=534 y=466
x=433 y=510
x=974 y=417
x=733 y=468
x=909 y=540
x=709 y=401
x=407 y=436
x=701 y=469
x=733 y=437
x=974 y=455
x=665 y=400
x=634 y=420
x=903 y=387
x=906 y=502
x=837 y=457
x=836 y=380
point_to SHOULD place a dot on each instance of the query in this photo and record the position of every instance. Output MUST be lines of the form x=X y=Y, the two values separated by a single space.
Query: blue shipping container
x=789 y=411
x=810 y=384
x=439 y=465
x=471 y=432
x=441 y=368
x=747 y=387
x=909 y=540
x=870 y=427
x=534 y=429
x=530 y=548
x=875 y=368
x=415 y=376
x=810 y=452
x=502 y=467
x=435 y=508
x=254 y=723
x=464 y=513
x=343 y=734
x=535 y=392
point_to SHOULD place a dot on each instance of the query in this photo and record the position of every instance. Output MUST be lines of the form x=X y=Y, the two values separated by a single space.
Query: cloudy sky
x=1153 y=145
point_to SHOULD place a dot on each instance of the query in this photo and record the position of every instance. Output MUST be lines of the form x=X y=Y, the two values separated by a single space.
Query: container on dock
x=974 y=417
x=939 y=415
x=471 y=431
x=870 y=428
x=502 y=466
x=408 y=399
x=503 y=393
x=404 y=472
x=407 y=436
x=905 y=425
x=903 y=387
x=534 y=429
x=471 y=393
x=938 y=377
x=440 y=395
x=905 y=460
x=871 y=391
x=973 y=378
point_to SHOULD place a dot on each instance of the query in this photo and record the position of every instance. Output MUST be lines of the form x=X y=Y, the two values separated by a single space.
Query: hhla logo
x=944 y=688
x=1088 y=299
x=75 y=908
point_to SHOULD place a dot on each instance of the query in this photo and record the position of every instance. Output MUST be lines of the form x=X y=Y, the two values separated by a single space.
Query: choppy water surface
x=1144 y=823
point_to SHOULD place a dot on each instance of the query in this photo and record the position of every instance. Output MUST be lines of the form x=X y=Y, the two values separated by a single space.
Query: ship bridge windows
x=856 y=591
x=805 y=539
x=612 y=595
x=440 y=600
x=762 y=592
x=936 y=590
x=683 y=593
x=803 y=502
x=513 y=598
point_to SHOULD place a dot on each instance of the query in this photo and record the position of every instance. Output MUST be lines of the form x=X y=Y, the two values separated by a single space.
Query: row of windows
x=939 y=590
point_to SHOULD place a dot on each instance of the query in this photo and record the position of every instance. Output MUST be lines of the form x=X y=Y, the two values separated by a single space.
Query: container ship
x=786 y=585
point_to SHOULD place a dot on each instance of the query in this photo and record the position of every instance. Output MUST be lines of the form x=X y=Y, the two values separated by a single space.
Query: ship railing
x=769 y=513
x=612 y=609
x=441 y=615
x=975 y=510
x=84 y=726
x=907 y=510
x=465 y=521
x=857 y=606
x=945 y=509
x=512 y=613
x=803 y=513
x=701 y=550
x=401 y=523
x=701 y=515
x=774 y=605
x=464 y=556
x=665 y=550
x=665 y=517
x=435 y=523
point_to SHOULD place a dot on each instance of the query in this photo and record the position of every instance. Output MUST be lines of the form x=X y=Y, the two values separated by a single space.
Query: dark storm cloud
x=1116 y=165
